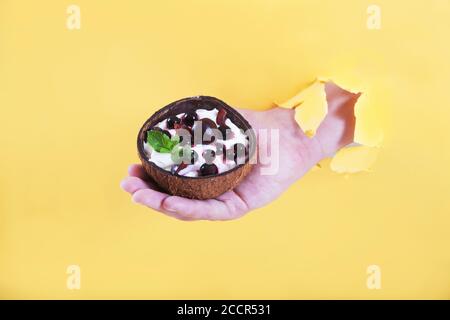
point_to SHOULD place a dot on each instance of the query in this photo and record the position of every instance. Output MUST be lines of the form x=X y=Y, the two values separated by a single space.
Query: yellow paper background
x=72 y=103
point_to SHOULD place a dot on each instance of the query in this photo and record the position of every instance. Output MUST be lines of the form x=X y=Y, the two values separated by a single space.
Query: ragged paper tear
x=317 y=167
x=368 y=130
x=368 y=127
x=354 y=159
x=311 y=108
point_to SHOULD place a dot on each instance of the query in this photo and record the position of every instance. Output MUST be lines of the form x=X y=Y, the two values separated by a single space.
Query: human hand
x=297 y=155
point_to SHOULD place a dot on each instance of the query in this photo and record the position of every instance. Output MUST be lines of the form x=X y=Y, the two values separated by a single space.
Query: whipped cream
x=165 y=161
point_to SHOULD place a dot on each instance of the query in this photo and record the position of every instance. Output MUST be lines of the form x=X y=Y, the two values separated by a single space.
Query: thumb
x=338 y=127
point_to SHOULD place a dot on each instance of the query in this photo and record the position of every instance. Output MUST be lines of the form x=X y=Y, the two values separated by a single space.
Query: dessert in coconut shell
x=197 y=147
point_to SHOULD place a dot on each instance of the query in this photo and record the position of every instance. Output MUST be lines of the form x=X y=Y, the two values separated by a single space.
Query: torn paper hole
x=368 y=128
x=368 y=131
x=346 y=83
x=354 y=159
x=301 y=96
x=310 y=107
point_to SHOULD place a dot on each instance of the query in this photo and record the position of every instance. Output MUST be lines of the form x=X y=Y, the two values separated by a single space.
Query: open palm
x=297 y=155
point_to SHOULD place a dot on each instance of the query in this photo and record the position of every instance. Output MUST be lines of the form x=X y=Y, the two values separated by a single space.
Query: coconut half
x=203 y=187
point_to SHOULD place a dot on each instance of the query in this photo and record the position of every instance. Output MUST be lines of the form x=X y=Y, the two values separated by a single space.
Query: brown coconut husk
x=196 y=187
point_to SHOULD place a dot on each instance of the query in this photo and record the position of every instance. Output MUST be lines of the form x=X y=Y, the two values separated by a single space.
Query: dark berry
x=177 y=126
x=172 y=121
x=189 y=118
x=209 y=156
x=194 y=156
x=180 y=167
x=221 y=117
x=208 y=169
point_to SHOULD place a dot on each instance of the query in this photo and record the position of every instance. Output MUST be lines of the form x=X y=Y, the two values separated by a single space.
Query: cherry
x=175 y=169
x=189 y=118
x=171 y=121
x=221 y=117
x=208 y=169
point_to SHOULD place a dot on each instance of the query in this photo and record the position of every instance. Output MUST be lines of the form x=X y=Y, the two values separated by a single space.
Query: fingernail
x=168 y=207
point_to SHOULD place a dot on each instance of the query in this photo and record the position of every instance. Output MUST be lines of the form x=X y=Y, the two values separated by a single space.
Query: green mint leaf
x=176 y=139
x=164 y=150
x=161 y=142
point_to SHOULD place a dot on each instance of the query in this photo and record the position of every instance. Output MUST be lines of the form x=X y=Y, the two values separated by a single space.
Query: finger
x=211 y=209
x=147 y=193
x=150 y=198
x=133 y=184
x=136 y=170
x=337 y=128
x=154 y=200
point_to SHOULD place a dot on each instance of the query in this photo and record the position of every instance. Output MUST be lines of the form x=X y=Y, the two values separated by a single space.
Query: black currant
x=171 y=121
x=189 y=118
x=208 y=169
